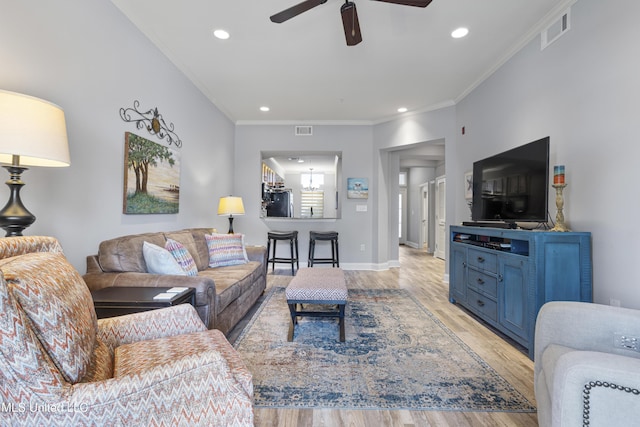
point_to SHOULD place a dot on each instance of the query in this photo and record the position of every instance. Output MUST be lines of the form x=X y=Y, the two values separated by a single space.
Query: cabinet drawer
x=483 y=283
x=483 y=305
x=483 y=260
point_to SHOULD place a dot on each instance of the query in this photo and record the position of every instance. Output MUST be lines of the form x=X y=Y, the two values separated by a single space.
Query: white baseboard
x=370 y=266
x=415 y=245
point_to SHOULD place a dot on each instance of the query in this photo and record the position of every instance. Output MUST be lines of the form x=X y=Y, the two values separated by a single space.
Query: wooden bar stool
x=331 y=236
x=292 y=237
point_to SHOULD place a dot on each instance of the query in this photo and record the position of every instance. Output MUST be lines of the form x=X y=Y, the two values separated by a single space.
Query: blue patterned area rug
x=397 y=355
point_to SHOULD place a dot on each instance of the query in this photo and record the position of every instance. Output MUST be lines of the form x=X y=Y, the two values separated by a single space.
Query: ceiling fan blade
x=416 y=3
x=296 y=10
x=350 y=23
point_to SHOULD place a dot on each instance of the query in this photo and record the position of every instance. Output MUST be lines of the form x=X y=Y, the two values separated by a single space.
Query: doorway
x=440 y=218
x=423 y=162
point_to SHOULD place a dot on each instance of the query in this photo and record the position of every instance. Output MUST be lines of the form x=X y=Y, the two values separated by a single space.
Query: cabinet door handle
x=500 y=277
x=480 y=303
x=480 y=259
x=480 y=281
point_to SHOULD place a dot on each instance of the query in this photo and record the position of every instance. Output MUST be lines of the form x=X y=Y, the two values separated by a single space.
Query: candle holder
x=560 y=225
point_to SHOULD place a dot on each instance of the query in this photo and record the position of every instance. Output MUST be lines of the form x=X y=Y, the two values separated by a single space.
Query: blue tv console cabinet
x=505 y=276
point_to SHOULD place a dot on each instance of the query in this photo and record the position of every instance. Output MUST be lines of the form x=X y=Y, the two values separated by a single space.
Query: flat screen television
x=513 y=186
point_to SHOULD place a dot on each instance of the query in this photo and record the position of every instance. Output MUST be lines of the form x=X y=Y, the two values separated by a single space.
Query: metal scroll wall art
x=153 y=121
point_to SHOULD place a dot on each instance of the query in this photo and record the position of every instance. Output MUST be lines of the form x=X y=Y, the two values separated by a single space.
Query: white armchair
x=583 y=375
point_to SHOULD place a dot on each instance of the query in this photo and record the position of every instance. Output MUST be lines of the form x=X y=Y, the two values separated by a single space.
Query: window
x=402 y=179
x=311 y=197
x=312 y=181
x=400 y=216
x=312 y=204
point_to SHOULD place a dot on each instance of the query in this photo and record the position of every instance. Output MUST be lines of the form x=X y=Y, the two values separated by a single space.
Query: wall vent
x=304 y=130
x=556 y=30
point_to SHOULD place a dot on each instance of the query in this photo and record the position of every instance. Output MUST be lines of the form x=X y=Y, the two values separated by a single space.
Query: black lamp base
x=14 y=217
x=230 y=224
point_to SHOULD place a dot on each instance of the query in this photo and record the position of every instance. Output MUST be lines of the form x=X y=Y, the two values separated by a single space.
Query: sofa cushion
x=160 y=261
x=201 y=246
x=182 y=255
x=233 y=281
x=187 y=240
x=226 y=249
x=131 y=358
x=125 y=253
x=21 y=350
x=59 y=305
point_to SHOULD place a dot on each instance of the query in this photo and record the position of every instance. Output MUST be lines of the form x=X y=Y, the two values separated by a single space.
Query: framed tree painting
x=151 y=177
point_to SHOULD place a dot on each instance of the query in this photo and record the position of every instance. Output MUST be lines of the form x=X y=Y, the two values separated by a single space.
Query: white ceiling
x=303 y=70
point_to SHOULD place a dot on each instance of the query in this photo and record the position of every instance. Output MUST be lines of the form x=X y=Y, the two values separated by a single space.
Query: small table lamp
x=32 y=133
x=230 y=206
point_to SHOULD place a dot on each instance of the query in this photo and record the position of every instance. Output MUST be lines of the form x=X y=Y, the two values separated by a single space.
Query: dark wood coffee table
x=117 y=301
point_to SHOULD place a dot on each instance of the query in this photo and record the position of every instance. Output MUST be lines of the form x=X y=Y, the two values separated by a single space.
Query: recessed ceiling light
x=402 y=110
x=221 y=34
x=459 y=33
x=264 y=108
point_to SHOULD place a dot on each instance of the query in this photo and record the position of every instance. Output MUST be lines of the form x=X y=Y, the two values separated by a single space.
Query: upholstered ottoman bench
x=322 y=286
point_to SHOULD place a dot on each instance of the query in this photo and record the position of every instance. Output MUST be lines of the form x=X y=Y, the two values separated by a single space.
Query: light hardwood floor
x=422 y=275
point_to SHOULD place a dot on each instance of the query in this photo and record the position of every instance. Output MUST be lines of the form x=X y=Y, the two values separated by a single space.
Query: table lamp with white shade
x=32 y=133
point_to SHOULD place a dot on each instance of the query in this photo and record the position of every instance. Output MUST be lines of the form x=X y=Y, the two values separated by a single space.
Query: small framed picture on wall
x=357 y=188
x=468 y=185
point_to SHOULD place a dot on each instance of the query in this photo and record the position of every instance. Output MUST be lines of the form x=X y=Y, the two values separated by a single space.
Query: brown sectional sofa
x=223 y=294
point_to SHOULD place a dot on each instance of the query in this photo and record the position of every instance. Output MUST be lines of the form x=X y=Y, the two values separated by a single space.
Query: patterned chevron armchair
x=60 y=366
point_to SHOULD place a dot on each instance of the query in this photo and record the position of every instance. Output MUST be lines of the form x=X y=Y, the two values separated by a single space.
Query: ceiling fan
x=347 y=10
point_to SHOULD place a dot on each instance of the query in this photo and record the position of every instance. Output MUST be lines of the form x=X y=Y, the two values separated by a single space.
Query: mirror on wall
x=301 y=184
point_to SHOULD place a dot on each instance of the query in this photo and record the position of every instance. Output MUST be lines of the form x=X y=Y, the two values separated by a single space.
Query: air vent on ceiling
x=304 y=130
x=557 y=29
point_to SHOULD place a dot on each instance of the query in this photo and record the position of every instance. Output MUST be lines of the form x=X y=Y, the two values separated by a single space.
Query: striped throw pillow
x=226 y=249
x=182 y=255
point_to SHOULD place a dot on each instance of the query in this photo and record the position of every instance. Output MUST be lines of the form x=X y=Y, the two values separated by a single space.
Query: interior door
x=424 y=218
x=440 y=218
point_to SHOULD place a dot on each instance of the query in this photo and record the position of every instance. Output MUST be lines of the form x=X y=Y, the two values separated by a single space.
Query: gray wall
x=354 y=228
x=583 y=92
x=87 y=57
x=388 y=139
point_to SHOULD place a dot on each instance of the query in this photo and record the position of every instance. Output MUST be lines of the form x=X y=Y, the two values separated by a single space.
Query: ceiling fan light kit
x=348 y=11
